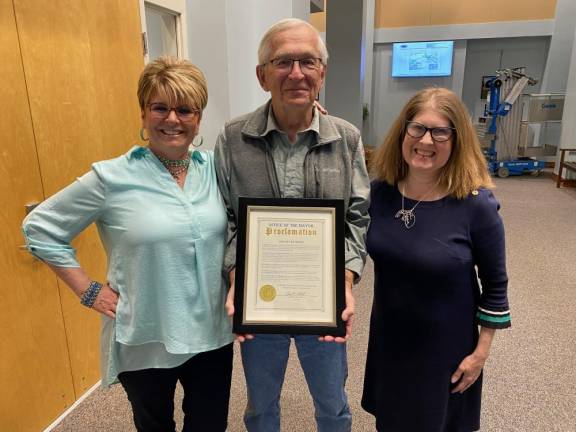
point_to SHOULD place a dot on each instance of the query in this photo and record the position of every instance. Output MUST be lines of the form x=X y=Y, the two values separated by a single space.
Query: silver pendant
x=406 y=216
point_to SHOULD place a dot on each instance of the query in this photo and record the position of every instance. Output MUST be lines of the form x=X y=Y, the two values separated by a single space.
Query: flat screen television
x=422 y=59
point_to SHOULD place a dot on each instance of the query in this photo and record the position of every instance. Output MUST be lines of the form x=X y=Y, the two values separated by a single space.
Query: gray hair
x=283 y=25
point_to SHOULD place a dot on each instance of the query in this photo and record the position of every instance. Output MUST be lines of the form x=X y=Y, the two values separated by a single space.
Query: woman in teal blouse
x=163 y=225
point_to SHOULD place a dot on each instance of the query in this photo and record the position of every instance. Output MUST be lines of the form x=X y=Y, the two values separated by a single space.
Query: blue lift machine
x=498 y=108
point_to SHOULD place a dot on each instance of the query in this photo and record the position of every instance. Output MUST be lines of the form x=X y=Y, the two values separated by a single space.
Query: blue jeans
x=325 y=368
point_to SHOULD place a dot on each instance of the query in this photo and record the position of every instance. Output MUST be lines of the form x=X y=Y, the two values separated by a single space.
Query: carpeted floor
x=530 y=378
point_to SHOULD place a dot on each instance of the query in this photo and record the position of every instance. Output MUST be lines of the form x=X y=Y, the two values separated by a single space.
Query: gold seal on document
x=267 y=293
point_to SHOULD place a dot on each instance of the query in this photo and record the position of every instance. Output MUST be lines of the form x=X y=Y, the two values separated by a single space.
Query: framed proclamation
x=290 y=266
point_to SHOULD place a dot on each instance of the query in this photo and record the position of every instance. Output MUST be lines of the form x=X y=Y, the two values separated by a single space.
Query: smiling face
x=170 y=136
x=296 y=88
x=424 y=155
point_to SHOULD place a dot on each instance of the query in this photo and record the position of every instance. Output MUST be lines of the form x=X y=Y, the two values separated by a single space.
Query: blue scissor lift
x=497 y=109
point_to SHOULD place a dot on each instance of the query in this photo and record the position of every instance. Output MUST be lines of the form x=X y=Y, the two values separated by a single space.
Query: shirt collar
x=272 y=125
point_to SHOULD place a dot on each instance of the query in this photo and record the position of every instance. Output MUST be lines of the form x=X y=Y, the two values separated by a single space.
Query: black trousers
x=206 y=380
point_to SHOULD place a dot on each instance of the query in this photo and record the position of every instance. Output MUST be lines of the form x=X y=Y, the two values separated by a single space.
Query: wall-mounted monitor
x=422 y=59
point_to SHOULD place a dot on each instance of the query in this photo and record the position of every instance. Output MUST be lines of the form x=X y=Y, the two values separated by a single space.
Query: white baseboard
x=72 y=408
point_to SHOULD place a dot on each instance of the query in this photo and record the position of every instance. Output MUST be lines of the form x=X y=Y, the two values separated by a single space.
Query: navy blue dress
x=427 y=307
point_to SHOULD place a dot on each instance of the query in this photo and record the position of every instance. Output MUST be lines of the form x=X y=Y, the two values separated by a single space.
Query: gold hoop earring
x=142 y=137
x=198 y=145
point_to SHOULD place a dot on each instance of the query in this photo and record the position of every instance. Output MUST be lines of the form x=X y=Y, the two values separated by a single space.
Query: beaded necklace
x=175 y=166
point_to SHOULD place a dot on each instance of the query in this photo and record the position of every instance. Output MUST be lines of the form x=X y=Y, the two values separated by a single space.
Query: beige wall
x=412 y=13
x=318 y=20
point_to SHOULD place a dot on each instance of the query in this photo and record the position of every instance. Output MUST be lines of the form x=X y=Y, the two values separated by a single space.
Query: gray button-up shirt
x=289 y=157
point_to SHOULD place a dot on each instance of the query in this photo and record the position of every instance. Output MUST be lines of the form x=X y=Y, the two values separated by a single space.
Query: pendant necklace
x=408 y=216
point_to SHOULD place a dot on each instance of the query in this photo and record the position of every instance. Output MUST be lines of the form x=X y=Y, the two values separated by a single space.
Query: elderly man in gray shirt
x=286 y=148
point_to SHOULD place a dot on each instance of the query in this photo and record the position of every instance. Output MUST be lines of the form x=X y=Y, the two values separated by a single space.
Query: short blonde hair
x=176 y=80
x=281 y=26
x=466 y=169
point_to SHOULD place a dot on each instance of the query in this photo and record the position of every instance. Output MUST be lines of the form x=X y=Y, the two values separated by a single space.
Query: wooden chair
x=568 y=165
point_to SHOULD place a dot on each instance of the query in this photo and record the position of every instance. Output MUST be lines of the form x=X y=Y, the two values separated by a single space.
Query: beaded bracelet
x=89 y=296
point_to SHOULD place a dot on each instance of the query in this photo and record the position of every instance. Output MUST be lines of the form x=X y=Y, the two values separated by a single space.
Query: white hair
x=283 y=25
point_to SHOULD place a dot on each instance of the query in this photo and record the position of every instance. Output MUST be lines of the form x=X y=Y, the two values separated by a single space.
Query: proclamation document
x=290 y=266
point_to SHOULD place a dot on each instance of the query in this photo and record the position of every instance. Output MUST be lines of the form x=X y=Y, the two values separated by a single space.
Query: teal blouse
x=165 y=248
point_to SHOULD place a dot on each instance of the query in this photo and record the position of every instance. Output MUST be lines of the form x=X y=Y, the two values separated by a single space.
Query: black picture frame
x=296 y=208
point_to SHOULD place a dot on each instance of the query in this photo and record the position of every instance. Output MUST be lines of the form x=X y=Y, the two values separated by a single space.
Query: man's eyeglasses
x=418 y=130
x=283 y=64
x=160 y=111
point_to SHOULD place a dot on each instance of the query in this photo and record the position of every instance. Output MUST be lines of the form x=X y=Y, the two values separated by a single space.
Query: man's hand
x=320 y=108
x=347 y=313
x=230 y=307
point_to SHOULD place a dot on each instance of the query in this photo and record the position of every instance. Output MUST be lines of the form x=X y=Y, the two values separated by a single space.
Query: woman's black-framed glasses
x=160 y=111
x=418 y=130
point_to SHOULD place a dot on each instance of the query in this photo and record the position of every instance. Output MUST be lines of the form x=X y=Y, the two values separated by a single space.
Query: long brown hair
x=466 y=169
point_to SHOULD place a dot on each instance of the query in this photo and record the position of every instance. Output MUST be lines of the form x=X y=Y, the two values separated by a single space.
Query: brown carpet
x=530 y=383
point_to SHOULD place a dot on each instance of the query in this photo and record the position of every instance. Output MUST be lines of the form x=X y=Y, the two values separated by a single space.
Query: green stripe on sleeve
x=497 y=319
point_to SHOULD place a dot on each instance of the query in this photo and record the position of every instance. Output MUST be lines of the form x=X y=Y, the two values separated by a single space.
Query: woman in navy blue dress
x=437 y=243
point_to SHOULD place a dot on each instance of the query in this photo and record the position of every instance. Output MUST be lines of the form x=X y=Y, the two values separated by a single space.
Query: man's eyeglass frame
x=288 y=68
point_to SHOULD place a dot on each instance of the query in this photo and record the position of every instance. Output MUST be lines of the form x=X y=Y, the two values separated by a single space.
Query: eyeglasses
x=418 y=130
x=161 y=111
x=283 y=64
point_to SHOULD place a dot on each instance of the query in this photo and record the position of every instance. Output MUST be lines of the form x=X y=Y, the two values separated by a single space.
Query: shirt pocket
x=331 y=181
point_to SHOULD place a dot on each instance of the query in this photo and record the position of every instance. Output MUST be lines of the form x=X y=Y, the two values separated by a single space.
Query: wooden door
x=35 y=373
x=70 y=70
x=82 y=60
